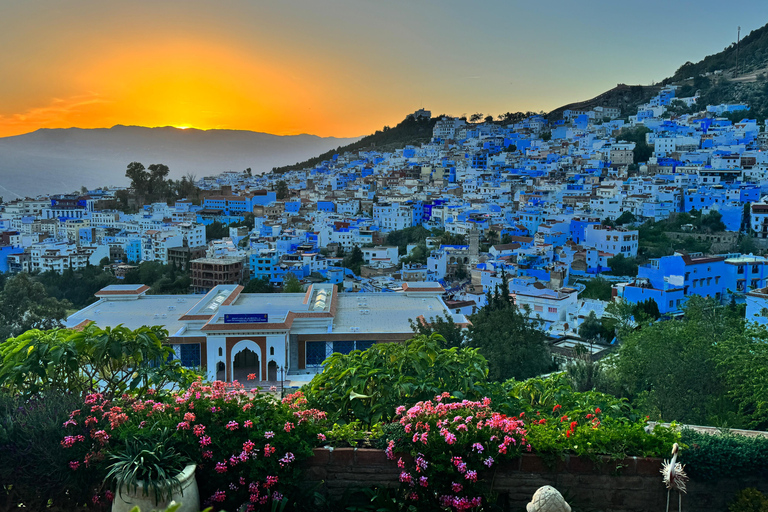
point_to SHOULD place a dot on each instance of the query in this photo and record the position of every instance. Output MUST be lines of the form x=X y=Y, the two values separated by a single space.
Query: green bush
x=34 y=471
x=111 y=360
x=246 y=446
x=368 y=385
x=749 y=500
x=709 y=457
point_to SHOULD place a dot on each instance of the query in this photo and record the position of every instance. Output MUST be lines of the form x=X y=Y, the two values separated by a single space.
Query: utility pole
x=738 y=45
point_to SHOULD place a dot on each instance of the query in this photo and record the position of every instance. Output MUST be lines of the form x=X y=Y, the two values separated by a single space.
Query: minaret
x=474 y=247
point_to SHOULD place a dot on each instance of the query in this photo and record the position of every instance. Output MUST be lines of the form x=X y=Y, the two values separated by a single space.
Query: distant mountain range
x=63 y=160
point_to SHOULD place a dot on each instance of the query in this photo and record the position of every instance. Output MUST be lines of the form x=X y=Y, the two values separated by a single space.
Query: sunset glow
x=344 y=68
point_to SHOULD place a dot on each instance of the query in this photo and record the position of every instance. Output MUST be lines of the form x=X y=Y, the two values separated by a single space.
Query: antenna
x=738 y=45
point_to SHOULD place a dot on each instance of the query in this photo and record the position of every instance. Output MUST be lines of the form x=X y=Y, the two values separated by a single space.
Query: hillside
x=625 y=97
x=409 y=132
x=63 y=160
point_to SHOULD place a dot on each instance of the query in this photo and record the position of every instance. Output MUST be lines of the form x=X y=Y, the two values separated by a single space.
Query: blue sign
x=247 y=318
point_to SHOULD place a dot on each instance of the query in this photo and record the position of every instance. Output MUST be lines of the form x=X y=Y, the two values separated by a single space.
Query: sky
x=340 y=68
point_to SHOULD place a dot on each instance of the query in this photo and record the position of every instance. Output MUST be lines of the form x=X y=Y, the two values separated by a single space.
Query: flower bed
x=246 y=445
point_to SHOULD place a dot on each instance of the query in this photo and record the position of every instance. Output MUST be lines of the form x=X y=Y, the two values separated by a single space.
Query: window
x=315 y=353
x=538 y=308
x=221 y=353
x=271 y=351
x=343 y=347
x=552 y=310
x=189 y=353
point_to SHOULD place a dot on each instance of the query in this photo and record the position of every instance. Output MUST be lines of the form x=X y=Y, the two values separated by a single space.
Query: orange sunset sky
x=336 y=67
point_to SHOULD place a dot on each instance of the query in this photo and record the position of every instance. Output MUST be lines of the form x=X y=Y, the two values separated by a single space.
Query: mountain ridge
x=57 y=160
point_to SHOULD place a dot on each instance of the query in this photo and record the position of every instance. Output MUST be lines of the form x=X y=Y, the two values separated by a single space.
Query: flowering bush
x=452 y=444
x=246 y=445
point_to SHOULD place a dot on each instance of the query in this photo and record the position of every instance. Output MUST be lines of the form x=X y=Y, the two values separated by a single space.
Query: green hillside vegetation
x=409 y=132
x=752 y=55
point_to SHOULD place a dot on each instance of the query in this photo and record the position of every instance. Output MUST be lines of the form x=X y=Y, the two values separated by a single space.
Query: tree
x=452 y=334
x=597 y=288
x=477 y=116
x=625 y=218
x=492 y=237
x=488 y=119
x=260 y=285
x=670 y=368
x=139 y=178
x=111 y=361
x=584 y=373
x=512 y=342
x=25 y=305
x=646 y=310
x=291 y=284
x=591 y=328
x=622 y=266
x=354 y=260
x=282 y=189
x=642 y=151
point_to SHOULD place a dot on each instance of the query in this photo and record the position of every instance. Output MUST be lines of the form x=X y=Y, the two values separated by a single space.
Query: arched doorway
x=272 y=371
x=221 y=371
x=245 y=363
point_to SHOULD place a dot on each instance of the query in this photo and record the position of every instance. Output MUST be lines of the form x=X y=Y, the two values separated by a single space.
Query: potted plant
x=149 y=472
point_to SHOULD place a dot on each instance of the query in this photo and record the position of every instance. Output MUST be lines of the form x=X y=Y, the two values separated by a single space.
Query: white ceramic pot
x=189 y=497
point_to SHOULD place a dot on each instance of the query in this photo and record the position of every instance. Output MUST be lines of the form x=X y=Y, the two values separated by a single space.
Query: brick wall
x=631 y=485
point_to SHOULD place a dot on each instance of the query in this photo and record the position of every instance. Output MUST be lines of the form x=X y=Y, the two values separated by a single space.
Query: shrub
x=452 y=445
x=246 y=446
x=368 y=385
x=708 y=457
x=32 y=471
x=111 y=360
x=749 y=500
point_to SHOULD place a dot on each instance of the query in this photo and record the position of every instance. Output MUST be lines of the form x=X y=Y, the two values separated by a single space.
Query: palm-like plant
x=153 y=463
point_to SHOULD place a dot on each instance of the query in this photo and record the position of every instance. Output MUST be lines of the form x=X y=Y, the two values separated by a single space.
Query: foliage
x=410 y=131
x=453 y=445
x=25 y=305
x=281 y=189
x=161 y=279
x=354 y=260
x=444 y=326
x=511 y=341
x=646 y=310
x=710 y=456
x=622 y=266
x=591 y=328
x=605 y=425
x=260 y=285
x=625 y=218
x=150 y=460
x=30 y=432
x=749 y=500
x=368 y=385
x=111 y=360
x=671 y=369
x=597 y=288
x=76 y=286
x=585 y=373
x=291 y=284
x=642 y=151
x=246 y=446
x=150 y=184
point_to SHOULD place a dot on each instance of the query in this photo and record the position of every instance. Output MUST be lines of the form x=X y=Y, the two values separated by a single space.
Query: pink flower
x=205 y=441
x=488 y=462
x=74 y=464
x=287 y=459
x=248 y=446
x=450 y=438
x=189 y=416
x=221 y=467
x=208 y=454
x=456 y=487
x=268 y=450
x=400 y=463
x=251 y=376
x=199 y=430
x=276 y=496
x=269 y=434
x=405 y=477
x=288 y=426
x=109 y=495
x=321 y=437
x=69 y=422
x=232 y=426
x=271 y=480
x=471 y=476
x=423 y=481
x=247 y=424
x=478 y=447
x=183 y=426
x=219 y=496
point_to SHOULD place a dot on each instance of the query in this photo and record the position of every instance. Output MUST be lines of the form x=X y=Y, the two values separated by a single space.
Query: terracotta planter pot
x=189 y=497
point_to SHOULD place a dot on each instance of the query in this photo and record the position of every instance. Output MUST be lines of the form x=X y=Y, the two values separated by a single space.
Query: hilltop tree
x=444 y=326
x=291 y=284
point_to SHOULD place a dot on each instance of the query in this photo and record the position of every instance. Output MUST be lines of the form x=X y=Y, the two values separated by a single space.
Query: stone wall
x=630 y=485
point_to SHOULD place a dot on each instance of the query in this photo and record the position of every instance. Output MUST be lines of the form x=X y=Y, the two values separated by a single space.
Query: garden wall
x=631 y=485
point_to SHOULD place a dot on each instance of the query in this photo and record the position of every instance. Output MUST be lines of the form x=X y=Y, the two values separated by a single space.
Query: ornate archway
x=246 y=359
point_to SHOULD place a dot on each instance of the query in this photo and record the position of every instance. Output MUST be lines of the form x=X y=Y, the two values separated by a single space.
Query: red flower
x=597 y=410
x=557 y=408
